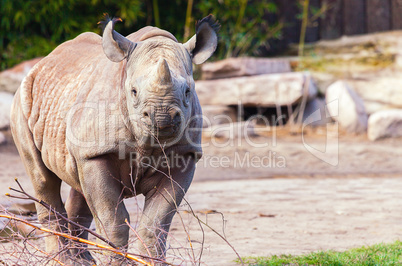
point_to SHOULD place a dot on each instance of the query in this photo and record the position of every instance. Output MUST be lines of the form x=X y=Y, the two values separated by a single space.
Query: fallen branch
x=213 y=230
x=138 y=236
x=45 y=253
x=47 y=206
x=103 y=247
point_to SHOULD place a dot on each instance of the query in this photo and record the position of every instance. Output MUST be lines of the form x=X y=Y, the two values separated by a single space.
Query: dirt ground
x=295 y=193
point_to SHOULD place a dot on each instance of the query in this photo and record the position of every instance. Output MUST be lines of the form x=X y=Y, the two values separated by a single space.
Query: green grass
x=381 y=254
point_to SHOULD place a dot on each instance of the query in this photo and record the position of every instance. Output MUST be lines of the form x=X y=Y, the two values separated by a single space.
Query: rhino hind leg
x=79 y=212
x=47 y=189
x=45 y=183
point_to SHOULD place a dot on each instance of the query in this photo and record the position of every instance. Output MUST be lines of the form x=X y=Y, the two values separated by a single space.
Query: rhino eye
x=186 y=99
x=134 y=92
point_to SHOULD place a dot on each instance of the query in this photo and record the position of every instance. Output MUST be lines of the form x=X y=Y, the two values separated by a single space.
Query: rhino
x=98 y=113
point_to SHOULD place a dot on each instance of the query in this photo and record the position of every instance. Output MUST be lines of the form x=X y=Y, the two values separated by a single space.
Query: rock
x=10 y=79
x=379 y=93
x=244 y=66
x=373 y=44
x=349 y=112
x=267 y=90
x=372 y=107
x=6 y=100
x=316 y=113
x=216 y=115
x=385 y=124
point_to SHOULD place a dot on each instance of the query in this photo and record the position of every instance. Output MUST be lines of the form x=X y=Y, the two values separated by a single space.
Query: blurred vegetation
x=34 y=28
x=379 y=254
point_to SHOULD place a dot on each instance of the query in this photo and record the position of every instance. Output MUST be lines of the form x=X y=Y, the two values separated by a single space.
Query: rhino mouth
x=163 y=125
x=165 y=133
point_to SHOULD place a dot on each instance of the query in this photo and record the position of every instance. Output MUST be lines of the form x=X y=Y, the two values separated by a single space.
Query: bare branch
x=103 y=247
x=47 y=206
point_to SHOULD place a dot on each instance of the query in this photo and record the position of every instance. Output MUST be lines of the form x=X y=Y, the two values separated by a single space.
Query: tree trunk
x=331 y=25
x=378 y=15
x=354 y=17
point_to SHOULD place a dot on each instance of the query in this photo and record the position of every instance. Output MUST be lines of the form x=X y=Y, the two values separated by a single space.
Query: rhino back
x=75 y=73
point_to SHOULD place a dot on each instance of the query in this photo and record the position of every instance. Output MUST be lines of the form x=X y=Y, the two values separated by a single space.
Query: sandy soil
x=287 y=200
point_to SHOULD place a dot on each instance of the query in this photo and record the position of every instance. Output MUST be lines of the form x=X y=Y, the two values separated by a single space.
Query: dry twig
x=103 y=247
x=47 y=206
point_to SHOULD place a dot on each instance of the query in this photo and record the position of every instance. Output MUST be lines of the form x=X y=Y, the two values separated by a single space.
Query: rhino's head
x=159 y=87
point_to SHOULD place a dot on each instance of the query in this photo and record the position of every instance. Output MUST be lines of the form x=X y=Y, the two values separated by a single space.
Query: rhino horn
x=163 y=73
x=115 y=46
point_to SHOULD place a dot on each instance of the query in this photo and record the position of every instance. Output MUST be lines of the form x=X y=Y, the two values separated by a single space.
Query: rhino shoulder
x=88 y=37
x=82 y=42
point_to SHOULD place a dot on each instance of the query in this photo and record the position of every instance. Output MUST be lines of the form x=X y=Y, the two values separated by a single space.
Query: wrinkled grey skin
x=89 y=120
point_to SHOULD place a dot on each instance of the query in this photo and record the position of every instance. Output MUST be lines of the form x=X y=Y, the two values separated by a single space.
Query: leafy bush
x=30 y=29
x=34 y=28
x=244 y=26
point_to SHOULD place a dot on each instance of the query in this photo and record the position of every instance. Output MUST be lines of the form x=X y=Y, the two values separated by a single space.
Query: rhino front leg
x=79 y=212
x=103 y=193
x=161 y=204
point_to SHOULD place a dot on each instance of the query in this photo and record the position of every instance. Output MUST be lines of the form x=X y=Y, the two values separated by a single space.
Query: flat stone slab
x=267 y=90
x=379 y=93
x=244 y=66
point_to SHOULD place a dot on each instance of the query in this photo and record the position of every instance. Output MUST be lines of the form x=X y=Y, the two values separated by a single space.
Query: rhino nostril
x=176 y=118
x=146 y=117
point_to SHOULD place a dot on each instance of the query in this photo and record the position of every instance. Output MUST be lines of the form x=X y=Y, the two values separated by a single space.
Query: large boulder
x=10 y=79
x=379 y=93
x=349 y=112
x=216 y=115
x=385 y=124
x=244 y=66
x=268 y=90
x=6 y=100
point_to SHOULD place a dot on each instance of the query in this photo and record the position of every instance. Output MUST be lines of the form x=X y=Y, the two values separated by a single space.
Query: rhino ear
x=115 y=46
x=203 y=44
